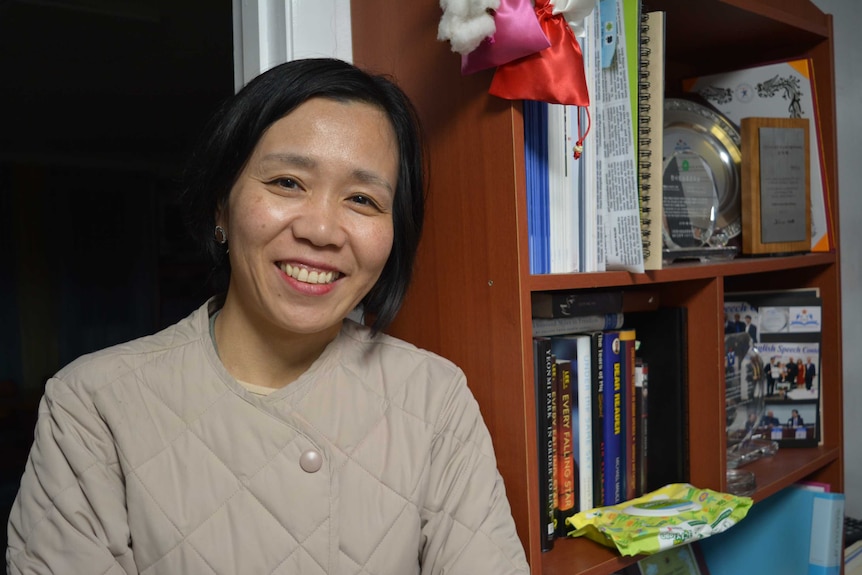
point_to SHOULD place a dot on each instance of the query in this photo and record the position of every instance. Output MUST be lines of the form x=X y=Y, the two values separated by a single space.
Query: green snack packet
x=675 y=514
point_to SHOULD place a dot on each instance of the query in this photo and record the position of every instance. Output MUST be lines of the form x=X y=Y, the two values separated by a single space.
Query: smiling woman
x=266 y=432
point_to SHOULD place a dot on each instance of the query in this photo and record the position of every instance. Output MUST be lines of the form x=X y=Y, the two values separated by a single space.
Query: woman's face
x=309 y=220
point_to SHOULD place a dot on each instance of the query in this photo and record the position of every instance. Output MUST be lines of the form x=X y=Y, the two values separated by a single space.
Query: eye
x=366 y=202
x=286 y=183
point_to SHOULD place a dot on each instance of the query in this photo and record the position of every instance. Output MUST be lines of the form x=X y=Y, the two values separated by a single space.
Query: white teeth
x=313 y=277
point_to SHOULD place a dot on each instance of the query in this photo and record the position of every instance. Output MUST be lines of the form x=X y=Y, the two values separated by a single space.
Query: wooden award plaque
x=776 y=185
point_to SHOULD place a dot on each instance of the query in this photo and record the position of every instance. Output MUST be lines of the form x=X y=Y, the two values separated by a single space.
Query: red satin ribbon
x=517 y=34
x=555 y=74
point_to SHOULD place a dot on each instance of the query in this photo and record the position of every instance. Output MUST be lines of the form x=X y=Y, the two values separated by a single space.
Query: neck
x=263 y=354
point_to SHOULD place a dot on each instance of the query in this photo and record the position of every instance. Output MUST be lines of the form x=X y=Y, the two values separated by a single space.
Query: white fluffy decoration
x=575 y=12
x=465 y=23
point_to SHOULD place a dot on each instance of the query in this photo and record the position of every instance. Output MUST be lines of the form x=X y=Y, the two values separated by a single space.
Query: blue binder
x=797 y=531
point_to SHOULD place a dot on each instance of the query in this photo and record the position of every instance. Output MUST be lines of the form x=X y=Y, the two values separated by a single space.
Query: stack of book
x=605 y=435
x=589 y=208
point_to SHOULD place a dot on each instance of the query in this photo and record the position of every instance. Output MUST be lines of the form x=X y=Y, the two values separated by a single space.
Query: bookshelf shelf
x=470 y=298
x=684 y=271
x=789 y=466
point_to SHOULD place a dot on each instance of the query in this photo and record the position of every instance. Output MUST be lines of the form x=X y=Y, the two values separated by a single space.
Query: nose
x=319 y=222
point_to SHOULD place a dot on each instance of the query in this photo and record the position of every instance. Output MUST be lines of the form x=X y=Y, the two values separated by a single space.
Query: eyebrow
x=360 y=175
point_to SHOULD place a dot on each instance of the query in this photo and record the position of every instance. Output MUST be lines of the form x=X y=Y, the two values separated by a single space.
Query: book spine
x=642 y=433
x=613 y=377
x=585 y=423
x=827 y=534
x=566 y=472
x=554 y=471
x=598 y=379
x=576 y=324
x=544 y=434
x=629 y=417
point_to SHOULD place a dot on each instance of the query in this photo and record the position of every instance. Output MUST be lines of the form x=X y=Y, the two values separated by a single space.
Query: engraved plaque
x=782 y=184
x=776 y=190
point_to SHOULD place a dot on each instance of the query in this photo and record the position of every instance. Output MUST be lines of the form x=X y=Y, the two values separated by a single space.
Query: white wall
x=847 y=22
x=270 y=32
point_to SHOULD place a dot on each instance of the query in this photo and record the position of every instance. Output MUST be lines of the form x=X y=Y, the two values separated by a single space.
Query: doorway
x=101 y=103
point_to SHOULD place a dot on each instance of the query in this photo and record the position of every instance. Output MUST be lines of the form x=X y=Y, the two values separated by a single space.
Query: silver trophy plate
x=701 y=177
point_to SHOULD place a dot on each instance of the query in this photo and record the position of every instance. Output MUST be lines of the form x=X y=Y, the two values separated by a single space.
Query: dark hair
x=234 y=131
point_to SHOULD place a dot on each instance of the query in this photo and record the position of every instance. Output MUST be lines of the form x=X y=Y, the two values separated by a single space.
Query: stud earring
x=220 y=235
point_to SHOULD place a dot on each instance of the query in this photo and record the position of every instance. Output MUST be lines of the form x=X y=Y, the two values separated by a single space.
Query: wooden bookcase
x=470 y=300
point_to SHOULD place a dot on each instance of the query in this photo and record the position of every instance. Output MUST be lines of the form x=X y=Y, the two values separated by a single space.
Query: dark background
x=101 y=101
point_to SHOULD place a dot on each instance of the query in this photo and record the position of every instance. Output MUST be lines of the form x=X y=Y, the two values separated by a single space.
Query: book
x=586 y=492
x=554 y=187
x=642 y=427
x=662 y=346
x=617 y=186
x=575 y=303
x=536 y=172
x=629 y=417
x=566 y=472
x=578 y=349
x=795 y=531
x=593 y=211
x=598 y=394
x=650 y=130
x=544 y=383
x=563 y=209
x=776 y=90
x=554 y=426
x=576 y=324
x=613 y=462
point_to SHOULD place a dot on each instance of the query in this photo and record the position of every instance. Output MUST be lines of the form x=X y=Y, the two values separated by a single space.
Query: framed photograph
x=776 y=185
x=680 y=560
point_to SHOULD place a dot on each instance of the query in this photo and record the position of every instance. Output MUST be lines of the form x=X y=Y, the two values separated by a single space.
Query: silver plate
x=707 y=133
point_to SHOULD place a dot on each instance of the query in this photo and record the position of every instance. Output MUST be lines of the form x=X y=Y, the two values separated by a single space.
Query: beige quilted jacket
x=150 y=458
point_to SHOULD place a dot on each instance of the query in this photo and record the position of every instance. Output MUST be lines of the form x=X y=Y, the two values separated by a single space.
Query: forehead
x=323 y=129
x=353 y=117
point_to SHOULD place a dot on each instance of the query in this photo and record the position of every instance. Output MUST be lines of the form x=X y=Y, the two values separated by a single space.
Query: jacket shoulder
x=99 y=368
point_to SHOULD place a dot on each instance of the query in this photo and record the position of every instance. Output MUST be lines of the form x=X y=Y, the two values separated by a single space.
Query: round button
x=311 y=461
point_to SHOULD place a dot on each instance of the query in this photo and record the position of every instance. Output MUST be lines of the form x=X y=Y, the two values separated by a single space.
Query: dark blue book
x=538 y=194
x=598 y=387
x=612 y=369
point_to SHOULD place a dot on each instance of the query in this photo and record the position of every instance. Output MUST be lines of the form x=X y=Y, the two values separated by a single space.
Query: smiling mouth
x=309 y=277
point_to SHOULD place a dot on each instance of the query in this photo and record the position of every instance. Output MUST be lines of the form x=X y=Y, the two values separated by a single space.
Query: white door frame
x=269 y=32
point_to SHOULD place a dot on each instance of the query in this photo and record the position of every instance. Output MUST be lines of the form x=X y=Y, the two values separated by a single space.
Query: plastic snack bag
x=675 y=514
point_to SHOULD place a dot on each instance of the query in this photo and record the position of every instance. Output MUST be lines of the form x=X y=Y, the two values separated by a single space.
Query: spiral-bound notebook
x=650 y=135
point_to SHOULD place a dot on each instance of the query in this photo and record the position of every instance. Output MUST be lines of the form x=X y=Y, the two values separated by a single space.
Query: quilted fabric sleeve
x=69 y=516
x=467 y=521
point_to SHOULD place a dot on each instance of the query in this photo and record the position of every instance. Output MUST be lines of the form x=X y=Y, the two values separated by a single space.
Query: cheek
x=377 y=244
x=259 y=218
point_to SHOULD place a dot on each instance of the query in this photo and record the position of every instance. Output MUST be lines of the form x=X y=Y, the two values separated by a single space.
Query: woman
x=800 y=374
x=267 y=433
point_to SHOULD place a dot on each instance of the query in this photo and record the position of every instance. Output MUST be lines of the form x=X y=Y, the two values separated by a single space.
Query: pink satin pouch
x=518 y=34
